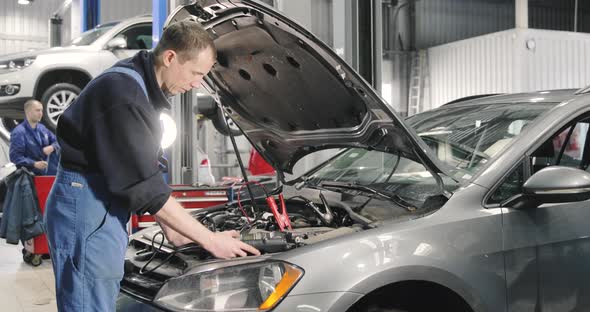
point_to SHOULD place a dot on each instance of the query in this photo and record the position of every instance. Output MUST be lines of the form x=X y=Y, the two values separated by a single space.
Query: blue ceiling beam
x=159 y=14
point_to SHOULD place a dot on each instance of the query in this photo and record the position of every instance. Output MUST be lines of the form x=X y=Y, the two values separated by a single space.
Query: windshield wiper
x=367 y=189
x=356 y=187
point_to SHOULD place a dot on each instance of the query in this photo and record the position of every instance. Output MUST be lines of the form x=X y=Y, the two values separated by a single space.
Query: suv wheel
x=55 y=101
x=9 y=123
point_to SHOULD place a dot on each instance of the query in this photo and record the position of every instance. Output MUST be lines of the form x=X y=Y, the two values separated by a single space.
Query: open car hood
x=289 y=93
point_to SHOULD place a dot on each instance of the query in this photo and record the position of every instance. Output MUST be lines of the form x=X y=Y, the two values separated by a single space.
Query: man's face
x=35 y=112
x=181 y=77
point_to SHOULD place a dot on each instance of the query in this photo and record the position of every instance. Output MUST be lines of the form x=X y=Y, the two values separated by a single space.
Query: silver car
x=479 y=205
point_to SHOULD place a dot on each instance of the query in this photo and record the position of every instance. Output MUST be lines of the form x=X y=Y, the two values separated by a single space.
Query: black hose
x=353 y=215
x=156 y=251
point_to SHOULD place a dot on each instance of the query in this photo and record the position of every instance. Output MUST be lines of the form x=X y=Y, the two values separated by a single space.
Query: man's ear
x=167 y=57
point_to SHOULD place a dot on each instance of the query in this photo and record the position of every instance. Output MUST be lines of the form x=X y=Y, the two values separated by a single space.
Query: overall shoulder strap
x=130 y=72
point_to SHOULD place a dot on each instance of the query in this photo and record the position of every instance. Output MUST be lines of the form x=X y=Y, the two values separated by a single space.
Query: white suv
x=55 y=76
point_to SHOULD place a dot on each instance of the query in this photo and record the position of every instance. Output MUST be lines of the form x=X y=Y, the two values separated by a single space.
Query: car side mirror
x=117 y=43
x=554 y=184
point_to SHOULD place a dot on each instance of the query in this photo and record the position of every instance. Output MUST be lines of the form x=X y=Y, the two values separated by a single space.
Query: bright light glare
x=170 y=130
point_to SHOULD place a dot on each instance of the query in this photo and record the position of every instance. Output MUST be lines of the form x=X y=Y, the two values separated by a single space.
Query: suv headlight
x=16 y=64
x=249 y=287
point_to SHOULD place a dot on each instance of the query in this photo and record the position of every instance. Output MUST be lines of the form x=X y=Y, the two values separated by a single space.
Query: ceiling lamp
x=25 y=2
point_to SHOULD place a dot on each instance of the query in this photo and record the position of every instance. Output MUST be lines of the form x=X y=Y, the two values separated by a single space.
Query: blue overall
x=26 y=147
x=87 y=236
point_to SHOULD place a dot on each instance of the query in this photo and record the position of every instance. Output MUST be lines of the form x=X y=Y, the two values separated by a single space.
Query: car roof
x=138 y=18
x=546 y=96
x=108 y=24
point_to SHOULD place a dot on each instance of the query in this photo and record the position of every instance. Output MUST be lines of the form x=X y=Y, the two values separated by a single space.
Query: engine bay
x=308 y=216
x=309 y=222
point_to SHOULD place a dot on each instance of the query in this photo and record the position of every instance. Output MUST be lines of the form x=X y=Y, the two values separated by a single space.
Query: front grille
x=144 y=287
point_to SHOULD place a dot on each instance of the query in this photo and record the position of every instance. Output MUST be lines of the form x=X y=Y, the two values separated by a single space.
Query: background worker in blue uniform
x=32 y=145
x=110 y=139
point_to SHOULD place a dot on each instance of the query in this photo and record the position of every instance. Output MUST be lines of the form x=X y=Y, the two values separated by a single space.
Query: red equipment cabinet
x=37 y=247
x=189 y=197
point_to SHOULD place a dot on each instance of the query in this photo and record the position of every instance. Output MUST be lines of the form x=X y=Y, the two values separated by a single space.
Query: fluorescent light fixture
x=24 y=2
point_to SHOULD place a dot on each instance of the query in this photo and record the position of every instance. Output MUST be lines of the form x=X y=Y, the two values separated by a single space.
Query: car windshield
x=464 y=138
x=88 y=37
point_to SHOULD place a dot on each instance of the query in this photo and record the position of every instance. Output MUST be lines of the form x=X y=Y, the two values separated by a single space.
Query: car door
x=138 y=37
x=547 y=249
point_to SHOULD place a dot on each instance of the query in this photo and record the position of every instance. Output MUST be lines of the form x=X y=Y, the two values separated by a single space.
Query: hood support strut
x=239 y=158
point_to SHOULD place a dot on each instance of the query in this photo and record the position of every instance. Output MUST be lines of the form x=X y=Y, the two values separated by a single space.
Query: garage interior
x=417 y=54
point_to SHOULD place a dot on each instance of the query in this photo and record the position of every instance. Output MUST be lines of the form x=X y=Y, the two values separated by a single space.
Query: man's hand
x=47 y=150
x=225 y=245
x=181 y=228
x=41 y=165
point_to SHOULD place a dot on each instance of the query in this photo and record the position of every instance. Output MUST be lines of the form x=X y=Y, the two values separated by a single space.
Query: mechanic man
x=32 y=145
x=110 y=138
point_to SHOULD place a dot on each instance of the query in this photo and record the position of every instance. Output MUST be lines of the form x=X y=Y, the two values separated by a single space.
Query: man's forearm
x=20 y=159
x=174 y=216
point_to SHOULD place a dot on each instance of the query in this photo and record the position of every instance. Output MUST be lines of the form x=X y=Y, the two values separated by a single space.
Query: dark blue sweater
x=114 y=131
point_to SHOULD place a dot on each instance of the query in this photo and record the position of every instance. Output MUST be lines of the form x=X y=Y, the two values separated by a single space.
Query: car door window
x=138 y=37
x=511 y=186
x=566 y=148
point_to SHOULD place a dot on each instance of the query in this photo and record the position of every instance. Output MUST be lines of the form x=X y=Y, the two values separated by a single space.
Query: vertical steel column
x=159 y=14
x=522 y=13
x=370 y=41
x=185 y=137
x=576 y=16
x=90 y=14
x=55 y=24
x=377 y=44
x=345 y=30
x=365 y=40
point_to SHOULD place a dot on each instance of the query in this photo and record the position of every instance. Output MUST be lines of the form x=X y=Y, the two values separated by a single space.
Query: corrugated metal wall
x=115 y=10
x=25 y=27
x=502 y=63
x=443 y=21
x=560 y=60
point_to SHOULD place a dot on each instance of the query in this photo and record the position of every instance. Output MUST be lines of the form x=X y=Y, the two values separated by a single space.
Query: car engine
x=151 y=259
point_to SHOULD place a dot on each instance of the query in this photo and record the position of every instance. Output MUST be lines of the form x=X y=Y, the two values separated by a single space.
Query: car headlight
x=16 y=64
x=248 y=287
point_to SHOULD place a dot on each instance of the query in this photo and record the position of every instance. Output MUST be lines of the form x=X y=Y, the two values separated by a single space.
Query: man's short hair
x=187 y=38
x=30 y=103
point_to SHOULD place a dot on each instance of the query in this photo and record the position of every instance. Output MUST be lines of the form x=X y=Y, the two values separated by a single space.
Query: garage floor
x=24 y=288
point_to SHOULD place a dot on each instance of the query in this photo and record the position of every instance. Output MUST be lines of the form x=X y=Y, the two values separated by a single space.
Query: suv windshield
x=462 y=137
x=88 y=37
